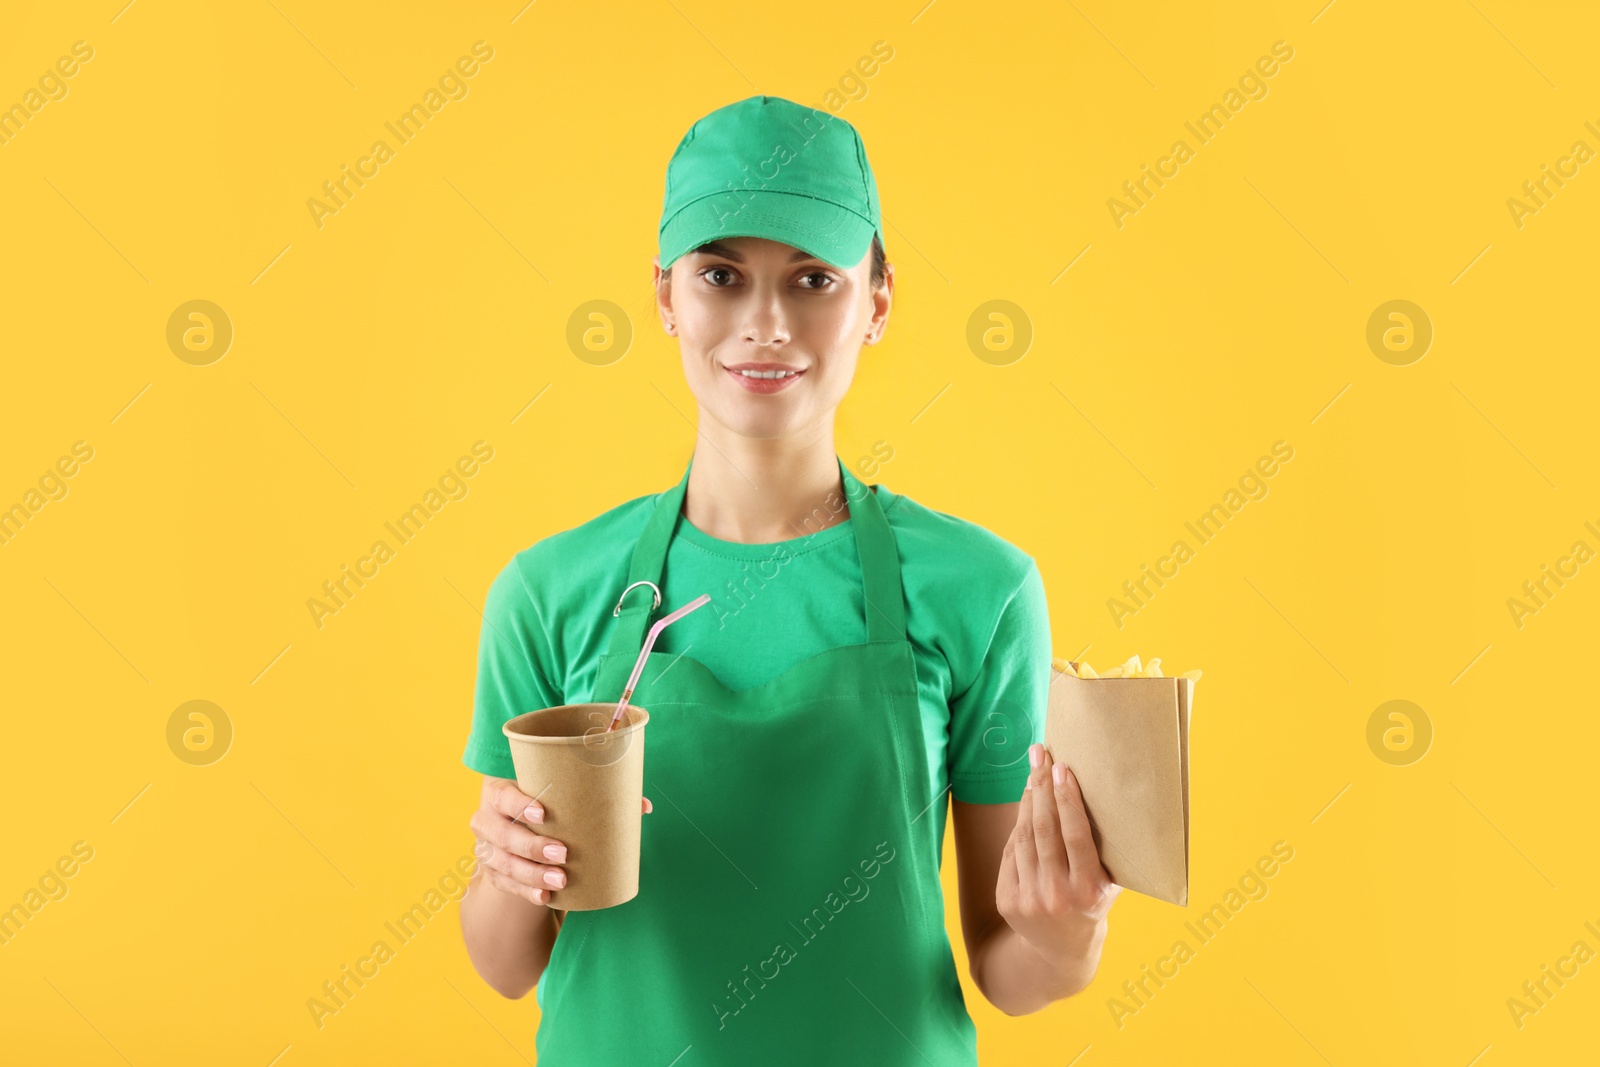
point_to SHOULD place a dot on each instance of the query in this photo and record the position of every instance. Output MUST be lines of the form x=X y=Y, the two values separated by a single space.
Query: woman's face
x=747 y=303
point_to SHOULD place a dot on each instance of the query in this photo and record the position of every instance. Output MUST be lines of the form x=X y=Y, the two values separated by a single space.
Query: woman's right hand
x=515 y=859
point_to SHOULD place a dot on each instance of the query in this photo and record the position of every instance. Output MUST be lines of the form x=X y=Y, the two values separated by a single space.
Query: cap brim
x=834 y=234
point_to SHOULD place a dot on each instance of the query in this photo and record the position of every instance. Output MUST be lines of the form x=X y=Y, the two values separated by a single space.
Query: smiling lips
x=764 y=377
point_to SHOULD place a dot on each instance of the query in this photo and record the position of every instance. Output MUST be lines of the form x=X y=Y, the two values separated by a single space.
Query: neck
x=756 y=491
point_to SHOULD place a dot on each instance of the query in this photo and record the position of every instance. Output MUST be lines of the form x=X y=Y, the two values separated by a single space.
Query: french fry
x=1129 y=668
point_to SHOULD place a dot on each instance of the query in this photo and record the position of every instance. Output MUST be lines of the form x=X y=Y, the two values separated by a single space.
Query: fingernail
x=1036 y=756
x=555 y=878
x=556 y=852
x=1059 y=773
x=533 y=813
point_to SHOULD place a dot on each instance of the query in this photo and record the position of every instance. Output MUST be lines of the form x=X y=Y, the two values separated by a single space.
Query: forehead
x=743 y=249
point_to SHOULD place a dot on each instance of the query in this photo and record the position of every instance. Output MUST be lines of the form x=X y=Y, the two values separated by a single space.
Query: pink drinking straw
x=644 y=653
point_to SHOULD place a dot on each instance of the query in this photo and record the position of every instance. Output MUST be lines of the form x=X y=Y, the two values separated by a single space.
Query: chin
x=758 y=426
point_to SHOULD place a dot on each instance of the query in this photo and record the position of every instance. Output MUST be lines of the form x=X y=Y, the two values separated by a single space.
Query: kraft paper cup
x=590 y=784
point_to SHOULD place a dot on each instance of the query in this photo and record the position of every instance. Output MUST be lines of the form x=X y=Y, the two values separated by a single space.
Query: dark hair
x=876 y=275
x=877 y=263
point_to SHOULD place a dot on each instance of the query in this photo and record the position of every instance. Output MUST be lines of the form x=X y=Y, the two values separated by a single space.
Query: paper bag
x=1127 y=741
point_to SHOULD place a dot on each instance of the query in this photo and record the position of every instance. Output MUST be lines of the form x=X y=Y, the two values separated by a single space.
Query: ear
x=663 y=301
x=881 y=301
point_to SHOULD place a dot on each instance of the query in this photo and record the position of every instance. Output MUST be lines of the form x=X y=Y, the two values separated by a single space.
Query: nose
x=766 y=323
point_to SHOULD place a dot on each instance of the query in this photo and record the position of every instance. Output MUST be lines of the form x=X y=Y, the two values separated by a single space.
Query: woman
x=862 y=655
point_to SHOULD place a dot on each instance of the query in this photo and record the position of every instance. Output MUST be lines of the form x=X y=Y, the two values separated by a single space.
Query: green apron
x=789 y=907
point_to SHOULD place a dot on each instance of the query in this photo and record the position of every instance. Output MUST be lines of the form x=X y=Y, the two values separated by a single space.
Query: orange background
x=1163 y=357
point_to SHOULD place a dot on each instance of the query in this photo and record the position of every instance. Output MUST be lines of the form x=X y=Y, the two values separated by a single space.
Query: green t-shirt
x=975 y=616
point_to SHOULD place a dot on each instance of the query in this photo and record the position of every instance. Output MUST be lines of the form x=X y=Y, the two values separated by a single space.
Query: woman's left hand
x=1053 y=891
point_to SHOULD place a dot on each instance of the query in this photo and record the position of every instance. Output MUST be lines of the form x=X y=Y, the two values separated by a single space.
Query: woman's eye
x=724 y=277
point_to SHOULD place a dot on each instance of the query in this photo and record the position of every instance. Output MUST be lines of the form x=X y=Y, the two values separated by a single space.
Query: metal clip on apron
x=789 y=906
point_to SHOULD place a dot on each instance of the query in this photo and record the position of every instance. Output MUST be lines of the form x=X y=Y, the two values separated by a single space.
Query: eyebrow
x=717 y=248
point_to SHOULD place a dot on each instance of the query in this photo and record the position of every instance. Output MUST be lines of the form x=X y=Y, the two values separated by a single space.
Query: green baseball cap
x=769 y=167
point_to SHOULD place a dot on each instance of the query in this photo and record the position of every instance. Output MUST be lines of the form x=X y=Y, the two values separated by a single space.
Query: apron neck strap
x=875 y=545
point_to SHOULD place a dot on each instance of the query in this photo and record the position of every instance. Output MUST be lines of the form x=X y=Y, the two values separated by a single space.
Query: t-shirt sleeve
x=996 y=718
x=511 y=644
